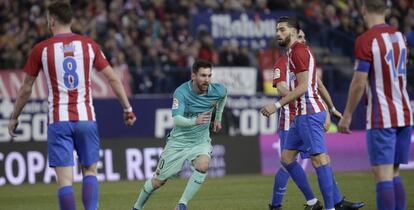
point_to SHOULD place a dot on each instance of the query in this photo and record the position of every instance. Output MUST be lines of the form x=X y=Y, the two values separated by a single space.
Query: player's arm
x=118 y=88
x=355 y=92
x=302 y=78
x=282 y=88
x=219 y=112
x=178 y=108
x=327 y=99
x=22 y=97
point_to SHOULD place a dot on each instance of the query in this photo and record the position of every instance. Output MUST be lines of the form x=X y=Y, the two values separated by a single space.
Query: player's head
x=301 y=37
x=378 y=7
x=287 y=30
x=59 y=13
x=201 y=74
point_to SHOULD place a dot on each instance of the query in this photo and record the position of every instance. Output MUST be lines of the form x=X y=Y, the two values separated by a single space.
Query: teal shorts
x=172 y=158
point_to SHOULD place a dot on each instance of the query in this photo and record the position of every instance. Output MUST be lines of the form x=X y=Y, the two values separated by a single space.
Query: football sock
x=399 y=193
x=279 y=186
x=146 y=192
x=325 y=180
x=336 y=192
x=193 y=185
x=66 y=198
x=385 y=195
x=90 y=192
x=299 y=177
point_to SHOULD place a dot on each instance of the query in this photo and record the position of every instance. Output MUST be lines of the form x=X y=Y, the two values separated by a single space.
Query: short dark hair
x=291 y=22
x=62 y=11
x=200 y=64
x=375 y=6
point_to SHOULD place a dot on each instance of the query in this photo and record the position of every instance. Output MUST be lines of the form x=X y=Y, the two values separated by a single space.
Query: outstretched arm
x=22 y=97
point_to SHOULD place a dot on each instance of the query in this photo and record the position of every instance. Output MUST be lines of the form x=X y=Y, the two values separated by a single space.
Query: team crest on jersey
x=68 y=48
x=276 y=73
x=175 y=104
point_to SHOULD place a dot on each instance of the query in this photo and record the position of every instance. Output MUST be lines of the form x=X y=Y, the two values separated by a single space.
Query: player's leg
x=87 y=146
x=381 y=150
x=312 y=132
x=200 y=159
x=402 y=154
x=60 y=155
x=281 y=178
x=170 y=163
x=90 y=187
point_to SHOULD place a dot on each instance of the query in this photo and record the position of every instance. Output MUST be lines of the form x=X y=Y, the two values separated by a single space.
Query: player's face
x=301 y=37
x=201 y=79
x=283 y=34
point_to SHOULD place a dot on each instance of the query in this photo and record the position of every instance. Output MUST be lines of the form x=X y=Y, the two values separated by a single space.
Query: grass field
x=229 y=193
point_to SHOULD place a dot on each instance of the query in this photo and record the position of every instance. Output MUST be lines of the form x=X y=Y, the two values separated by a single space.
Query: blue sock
x=399 y=193
x=385 y=195
x=336 y=192
x=66 y=198
x=299 y=177
x=325 y=180
x=90 y=192
x=279 y=186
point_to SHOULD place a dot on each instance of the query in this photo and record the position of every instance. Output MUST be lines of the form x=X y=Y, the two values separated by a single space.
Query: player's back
x=384 y=48
x=194 y=104
x=67 y=61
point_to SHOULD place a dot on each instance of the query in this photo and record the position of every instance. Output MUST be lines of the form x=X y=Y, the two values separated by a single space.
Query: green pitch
x=250 y=192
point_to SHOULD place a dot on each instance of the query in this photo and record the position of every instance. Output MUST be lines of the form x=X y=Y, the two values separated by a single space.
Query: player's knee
x=287 y=158
x=158 y=183
x=320 y=160
x=89 y=170
x=202 y=164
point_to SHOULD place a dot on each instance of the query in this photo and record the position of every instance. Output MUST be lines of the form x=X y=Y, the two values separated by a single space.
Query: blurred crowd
x=151 y=38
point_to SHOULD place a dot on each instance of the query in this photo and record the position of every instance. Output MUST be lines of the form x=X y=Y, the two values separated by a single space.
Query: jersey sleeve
x=34 y=62
x=100 y=61
x=300 y=59
x=363 y=54
x=178 y=104
x=279 y=71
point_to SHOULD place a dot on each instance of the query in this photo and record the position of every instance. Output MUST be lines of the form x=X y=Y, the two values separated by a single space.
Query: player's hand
x=216 y=126
x=336 y=114
x=327 y=123
x=344 y=123
x=129 y=118
x=13 y=123
x=268 y=110
x=203 y=118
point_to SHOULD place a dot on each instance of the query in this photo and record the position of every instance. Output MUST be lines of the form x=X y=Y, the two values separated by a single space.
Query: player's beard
x=203 y=87
x=284 y=42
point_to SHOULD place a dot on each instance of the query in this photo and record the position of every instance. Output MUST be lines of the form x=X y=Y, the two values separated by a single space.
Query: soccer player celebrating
x=285 y=83
x=193 y=103
x=67 y=60
x=380 y=69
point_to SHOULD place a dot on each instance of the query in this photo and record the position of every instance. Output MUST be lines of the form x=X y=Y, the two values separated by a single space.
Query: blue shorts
x=65 y=137
x=283 y=138
x=389 y=145
x=306 y=134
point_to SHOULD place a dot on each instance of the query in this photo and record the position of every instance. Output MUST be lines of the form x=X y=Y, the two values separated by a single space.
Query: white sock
x=311 y=202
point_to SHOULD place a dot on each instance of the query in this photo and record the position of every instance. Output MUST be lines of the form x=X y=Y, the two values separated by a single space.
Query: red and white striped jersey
x=67 y=61
x=301 y=59
x=382 y=53
x=280 y=74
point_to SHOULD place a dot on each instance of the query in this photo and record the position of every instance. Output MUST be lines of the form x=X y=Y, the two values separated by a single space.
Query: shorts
x=283 y=138
x=172 y=158
x=306 y=134
x=65 y=137
x=389 y=145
